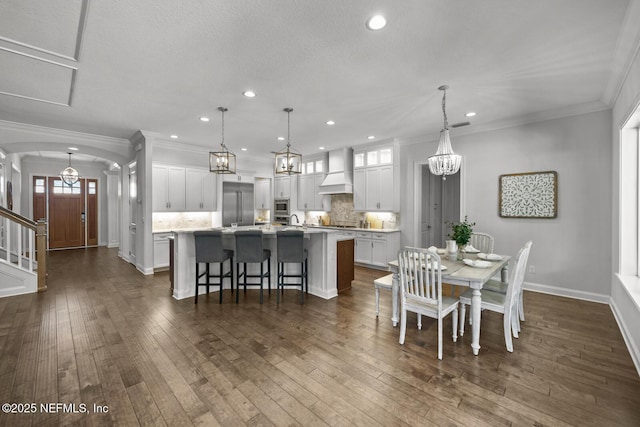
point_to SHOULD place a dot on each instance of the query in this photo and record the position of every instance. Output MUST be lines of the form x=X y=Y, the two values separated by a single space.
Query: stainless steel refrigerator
x=237 y=203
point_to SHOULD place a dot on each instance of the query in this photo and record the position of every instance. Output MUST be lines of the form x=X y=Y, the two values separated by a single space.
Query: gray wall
x=570 y=251
x=51 y=167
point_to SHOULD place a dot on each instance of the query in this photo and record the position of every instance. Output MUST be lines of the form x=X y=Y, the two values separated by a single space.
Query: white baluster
x=19 y=254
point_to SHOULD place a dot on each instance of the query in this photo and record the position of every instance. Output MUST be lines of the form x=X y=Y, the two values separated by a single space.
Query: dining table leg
x=476 y=301
x=395 y=292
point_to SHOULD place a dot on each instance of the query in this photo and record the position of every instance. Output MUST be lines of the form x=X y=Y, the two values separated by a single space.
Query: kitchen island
x=320 y=243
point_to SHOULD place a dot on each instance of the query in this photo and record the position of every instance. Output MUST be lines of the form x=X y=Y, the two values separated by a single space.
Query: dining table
x=457 y=272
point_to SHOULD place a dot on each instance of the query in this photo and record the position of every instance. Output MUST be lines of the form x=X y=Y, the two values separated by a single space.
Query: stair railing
x=29 y=235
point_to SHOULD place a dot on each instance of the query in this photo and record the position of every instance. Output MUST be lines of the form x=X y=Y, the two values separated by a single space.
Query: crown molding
x=61 y=134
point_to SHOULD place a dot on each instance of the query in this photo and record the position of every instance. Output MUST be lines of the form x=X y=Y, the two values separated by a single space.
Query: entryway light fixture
x=288 y=162
x=445 y=161
x=69 y=175
x=223 y=161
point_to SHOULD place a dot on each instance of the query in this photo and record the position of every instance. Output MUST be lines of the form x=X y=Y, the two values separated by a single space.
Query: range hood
x=339 y=179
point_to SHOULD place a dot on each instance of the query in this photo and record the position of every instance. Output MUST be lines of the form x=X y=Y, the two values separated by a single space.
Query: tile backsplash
x=181 y=220
x=342 y=213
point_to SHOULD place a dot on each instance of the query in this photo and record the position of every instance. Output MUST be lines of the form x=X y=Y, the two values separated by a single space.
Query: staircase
x=23 y=254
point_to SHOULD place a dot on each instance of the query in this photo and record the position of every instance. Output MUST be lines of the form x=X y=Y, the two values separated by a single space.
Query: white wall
x=33 y=166
x=569 y=252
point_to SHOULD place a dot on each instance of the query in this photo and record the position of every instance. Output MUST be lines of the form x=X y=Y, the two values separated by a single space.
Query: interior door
x=66 y=214
x=133 y=212
x=440 y=203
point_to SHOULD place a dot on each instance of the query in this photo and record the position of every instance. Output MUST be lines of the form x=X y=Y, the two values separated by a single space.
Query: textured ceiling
x=158 y=65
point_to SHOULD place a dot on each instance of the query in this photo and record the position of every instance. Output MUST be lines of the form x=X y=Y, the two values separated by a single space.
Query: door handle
x=82 y=216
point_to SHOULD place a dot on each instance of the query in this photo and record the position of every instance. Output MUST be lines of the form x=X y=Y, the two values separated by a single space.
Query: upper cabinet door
x=263 y=194
x=168 y=188
x=359 y=190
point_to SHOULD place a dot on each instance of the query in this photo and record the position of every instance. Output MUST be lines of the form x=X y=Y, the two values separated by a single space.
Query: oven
x=281 y=207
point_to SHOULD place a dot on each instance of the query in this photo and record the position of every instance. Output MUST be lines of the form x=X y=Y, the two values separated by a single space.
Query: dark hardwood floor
x=105 y=335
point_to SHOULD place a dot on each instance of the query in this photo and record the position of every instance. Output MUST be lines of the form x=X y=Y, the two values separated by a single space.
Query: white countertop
x=229 y=230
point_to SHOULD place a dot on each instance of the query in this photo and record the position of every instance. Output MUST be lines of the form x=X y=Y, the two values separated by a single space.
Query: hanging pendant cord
x=444 y=111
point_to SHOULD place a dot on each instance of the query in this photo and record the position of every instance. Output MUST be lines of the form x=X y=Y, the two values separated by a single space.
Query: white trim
x=145 y=271
x=624 y=330
x=569 y=293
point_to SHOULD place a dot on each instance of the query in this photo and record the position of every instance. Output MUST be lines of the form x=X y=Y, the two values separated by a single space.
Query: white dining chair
x=421 y=291
x=507 y=304
x=501 y=287
x=482 y=242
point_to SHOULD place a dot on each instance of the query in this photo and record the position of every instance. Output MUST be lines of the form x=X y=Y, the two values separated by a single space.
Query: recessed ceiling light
x=72 y=148
x=371 y=137
x=331 y=122
x=470 y=114
x=281 y=138
x=204 y=119
x=243 y=149
x=249 y=93
x=376 y=22
x=320 y=148
x=174 y=137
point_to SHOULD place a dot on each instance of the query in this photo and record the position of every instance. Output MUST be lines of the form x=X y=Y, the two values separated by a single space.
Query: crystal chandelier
x=69 y=175
x=445 y=161
x=223 y=161
x=288 y=162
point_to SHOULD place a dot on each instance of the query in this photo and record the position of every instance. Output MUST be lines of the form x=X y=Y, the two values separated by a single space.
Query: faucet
x=297 y=219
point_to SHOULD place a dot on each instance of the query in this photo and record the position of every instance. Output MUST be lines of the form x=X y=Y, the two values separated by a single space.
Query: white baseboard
x=569 y=293
x=113 y=245
x=631 y=345
x=145 y=271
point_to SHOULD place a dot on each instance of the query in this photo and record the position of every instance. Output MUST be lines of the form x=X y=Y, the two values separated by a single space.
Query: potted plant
x=461 y=233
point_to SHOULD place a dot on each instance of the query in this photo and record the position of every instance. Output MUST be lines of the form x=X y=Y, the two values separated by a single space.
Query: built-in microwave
x=281 y=207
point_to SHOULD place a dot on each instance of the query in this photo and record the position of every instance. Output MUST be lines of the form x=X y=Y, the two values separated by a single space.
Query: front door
x=66 y=214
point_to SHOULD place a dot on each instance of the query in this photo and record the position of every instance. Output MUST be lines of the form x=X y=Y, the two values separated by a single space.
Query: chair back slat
x=417 y=280
x=482 y=242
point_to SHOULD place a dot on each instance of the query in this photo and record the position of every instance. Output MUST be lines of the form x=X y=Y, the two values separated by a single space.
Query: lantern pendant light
x=69 y=175
x=288 y=161
x=223 y=161
x=445 y=161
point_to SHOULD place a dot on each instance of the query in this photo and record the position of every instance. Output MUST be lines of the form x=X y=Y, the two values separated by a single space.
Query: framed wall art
x=528 y=195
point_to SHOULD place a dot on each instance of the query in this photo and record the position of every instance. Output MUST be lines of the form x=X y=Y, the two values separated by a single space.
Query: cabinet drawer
x=379 y=236
x=363 y=234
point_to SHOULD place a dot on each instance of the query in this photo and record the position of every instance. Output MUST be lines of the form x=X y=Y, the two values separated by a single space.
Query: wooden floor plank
x=106 y=335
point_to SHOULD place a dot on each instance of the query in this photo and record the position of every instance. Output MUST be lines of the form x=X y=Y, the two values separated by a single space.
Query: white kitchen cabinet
x=359 y=190
x=376 y=249
x=306 y=184
x=379 y=188
x=314 y=173
x=200 y=190
x=309 y=198
x=262 y=193
x=363 y=248
x=282 y=186
x=321 y=202
x=376 y=179
x=169 y=184
x=161 y=250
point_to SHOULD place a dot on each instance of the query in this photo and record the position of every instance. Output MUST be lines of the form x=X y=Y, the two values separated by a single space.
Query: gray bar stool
x=291 y=250
x=249 y=249
x=209 y=250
